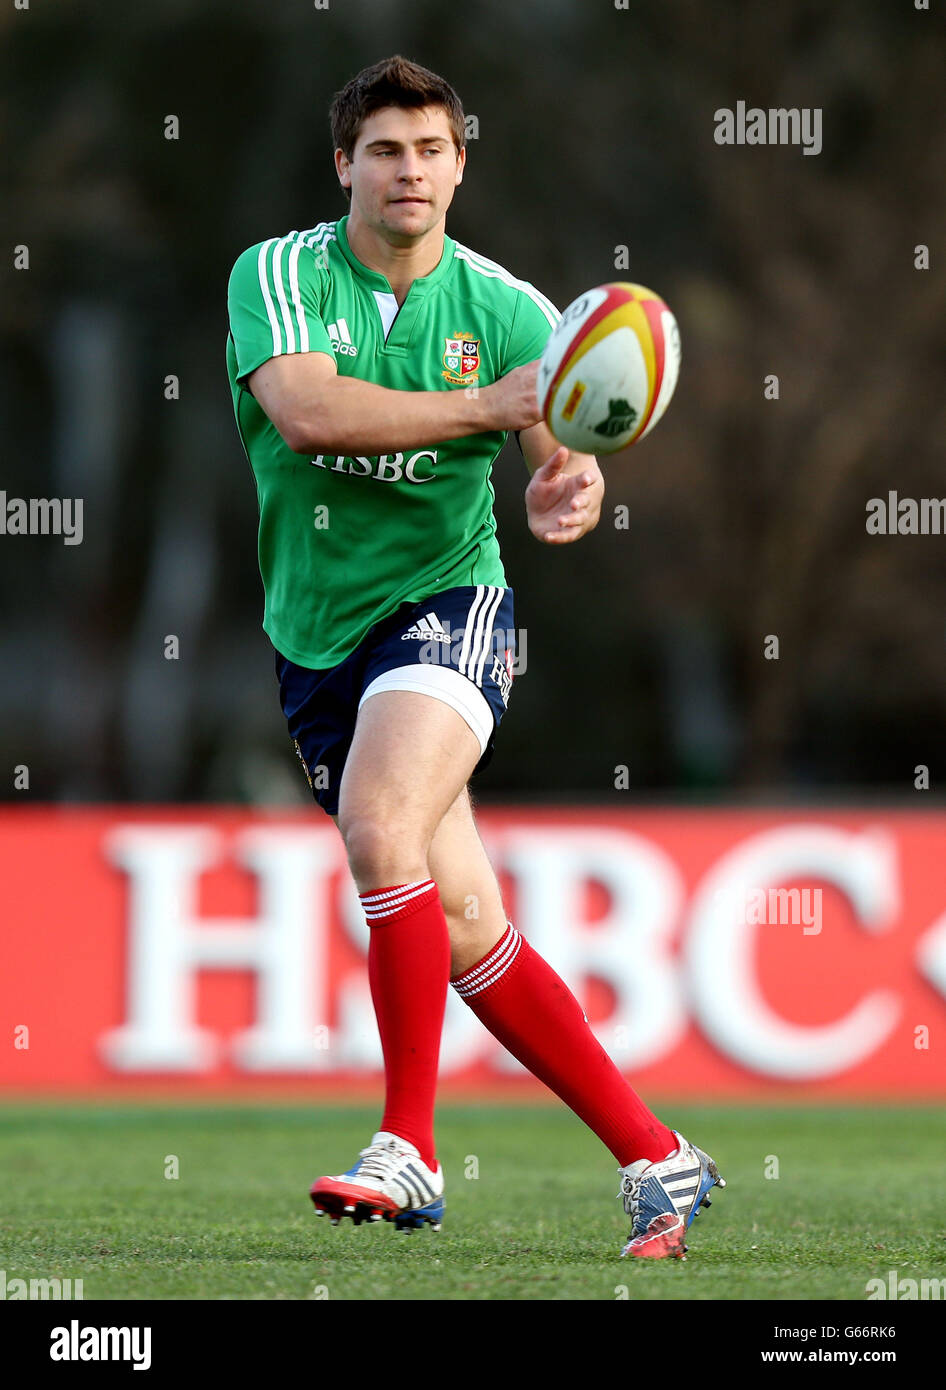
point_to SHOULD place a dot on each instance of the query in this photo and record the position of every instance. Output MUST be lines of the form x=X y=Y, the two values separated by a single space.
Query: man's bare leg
x=410 y=758
x=469 y=891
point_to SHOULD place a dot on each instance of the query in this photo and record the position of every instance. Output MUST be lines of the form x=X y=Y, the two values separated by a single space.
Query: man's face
x=403 y=171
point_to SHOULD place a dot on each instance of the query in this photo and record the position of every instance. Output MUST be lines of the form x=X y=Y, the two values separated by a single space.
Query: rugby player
x=376 y=367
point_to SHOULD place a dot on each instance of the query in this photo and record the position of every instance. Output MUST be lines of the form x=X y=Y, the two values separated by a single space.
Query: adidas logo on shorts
x=429 y=629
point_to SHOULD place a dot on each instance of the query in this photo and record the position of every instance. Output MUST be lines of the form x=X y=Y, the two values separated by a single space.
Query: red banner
x=716 y=953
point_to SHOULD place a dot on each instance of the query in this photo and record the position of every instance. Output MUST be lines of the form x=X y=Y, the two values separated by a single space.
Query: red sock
x=534 y=1014
x=408 y=970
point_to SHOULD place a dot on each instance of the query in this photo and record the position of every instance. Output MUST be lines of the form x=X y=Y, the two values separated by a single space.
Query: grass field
x=859 y=1192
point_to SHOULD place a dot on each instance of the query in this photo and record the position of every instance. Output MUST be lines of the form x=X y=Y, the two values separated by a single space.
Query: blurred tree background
x=746 y=516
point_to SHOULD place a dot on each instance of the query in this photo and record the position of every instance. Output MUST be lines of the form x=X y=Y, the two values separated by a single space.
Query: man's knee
x=382 y=850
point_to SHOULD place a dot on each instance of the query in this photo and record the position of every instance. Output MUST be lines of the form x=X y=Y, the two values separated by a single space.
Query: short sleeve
x=533 y=322
x=274 y=298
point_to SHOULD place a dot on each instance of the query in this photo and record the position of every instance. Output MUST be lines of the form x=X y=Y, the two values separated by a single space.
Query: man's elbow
x=298 y=435
x=310 y=433
x=306 y=426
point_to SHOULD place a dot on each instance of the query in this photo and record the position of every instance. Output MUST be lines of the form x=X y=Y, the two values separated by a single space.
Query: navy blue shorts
x=458 y=646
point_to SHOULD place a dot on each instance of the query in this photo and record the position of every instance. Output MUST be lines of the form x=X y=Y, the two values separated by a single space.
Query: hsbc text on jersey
x=386 y=468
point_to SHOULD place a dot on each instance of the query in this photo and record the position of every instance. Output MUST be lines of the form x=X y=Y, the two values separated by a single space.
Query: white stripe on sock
x=492 y=968
x=386 y=903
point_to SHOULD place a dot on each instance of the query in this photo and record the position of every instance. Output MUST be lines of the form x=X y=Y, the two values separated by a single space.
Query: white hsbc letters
x=387 y=468
x=632 y=949
x=723 y=983
x=629 y=949
x=285 y=947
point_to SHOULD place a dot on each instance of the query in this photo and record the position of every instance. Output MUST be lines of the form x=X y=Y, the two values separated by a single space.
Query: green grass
x=859 y=1193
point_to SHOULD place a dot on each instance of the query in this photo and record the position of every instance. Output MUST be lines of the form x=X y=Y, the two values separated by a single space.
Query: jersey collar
x=377 y=281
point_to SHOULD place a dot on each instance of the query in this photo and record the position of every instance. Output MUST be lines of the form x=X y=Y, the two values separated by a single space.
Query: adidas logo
x=341 y=338
x=429 y=629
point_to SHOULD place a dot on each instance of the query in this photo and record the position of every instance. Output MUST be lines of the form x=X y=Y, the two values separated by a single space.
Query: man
x=376 y=367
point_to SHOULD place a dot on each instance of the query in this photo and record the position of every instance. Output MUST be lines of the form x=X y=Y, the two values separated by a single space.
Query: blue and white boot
x=663 y=1199
x=389 y=1182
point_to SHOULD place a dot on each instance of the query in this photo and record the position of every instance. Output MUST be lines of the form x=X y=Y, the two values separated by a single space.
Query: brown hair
x=393 y=82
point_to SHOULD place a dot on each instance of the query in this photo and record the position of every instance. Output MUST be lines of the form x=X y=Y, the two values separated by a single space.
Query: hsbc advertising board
x=717 y=953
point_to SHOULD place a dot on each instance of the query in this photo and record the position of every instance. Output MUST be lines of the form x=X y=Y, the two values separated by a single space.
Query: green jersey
x=344 y=541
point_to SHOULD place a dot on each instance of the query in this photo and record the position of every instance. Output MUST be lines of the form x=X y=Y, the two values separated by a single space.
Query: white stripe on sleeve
x=267 y=297
x=281 y=292
x=296 y=296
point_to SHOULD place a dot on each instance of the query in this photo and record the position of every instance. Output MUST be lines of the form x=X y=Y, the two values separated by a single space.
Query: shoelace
x=631 y=1193
x=380 y=1160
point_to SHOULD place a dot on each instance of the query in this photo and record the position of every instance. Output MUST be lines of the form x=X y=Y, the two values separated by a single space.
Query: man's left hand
x=560 y=506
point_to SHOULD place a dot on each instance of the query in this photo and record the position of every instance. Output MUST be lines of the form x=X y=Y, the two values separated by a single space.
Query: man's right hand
x=510 y=402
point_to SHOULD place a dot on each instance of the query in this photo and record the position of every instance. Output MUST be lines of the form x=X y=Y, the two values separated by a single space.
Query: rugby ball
x=609 y=369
